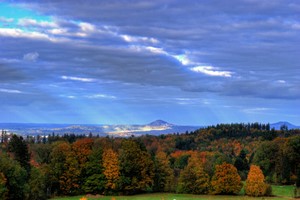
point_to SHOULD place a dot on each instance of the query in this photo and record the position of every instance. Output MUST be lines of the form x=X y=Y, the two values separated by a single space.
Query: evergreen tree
x=18 y=147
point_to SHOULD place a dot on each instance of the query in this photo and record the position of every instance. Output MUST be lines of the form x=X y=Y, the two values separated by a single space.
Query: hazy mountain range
x=157 y=127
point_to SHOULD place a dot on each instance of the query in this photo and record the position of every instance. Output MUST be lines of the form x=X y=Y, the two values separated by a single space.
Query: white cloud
x=73 y=78
x=32 y=57
x=281 y=81
x=18 y=33
x=9 y=60
x=87 y=27
x=183 y=59
x=211 y=71
x=129 y=38
x=256 y=110
x=33 y=22
x=156 y=50
x=6 y=20
x=57 y=31
x=101 y=96
x=10 y=91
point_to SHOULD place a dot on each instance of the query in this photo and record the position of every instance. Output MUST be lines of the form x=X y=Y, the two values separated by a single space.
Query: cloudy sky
x=193 y=62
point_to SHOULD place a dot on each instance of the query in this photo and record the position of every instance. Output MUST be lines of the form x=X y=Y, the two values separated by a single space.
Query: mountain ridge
x=156 y=127
x=278 y=125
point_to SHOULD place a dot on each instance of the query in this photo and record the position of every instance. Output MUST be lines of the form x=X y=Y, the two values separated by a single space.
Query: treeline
x=209 y=160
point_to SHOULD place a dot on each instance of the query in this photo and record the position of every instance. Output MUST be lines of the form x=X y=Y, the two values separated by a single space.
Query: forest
x=217 y=159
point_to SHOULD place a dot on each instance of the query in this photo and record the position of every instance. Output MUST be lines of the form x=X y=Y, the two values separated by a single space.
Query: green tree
x=242 y=165
x=16 y=177
x=226 y=180
x=94 y=181
x=18 y=147
x=292 y=151
x=57 y=165
x=37 y=185
x=136 y=168
x=265 y=157
x=41 y=153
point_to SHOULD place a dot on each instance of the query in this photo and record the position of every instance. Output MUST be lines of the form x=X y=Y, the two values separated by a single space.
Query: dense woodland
x=212 y=160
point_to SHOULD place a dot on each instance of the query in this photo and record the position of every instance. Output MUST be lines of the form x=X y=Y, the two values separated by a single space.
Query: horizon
x=195 y=63
x=200 y=125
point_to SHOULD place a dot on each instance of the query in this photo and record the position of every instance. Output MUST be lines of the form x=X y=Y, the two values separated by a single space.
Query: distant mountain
x=160 y=123
x=277 y=125
x=157 y=127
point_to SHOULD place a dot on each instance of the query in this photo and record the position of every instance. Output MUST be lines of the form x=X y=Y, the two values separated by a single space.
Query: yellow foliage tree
x=226 y=180
x=111 y=168
x=255 y=183
x=163 y=173
x=69 y=180
x=193 y=178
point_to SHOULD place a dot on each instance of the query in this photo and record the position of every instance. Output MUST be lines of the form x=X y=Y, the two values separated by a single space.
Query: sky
x=193 y=62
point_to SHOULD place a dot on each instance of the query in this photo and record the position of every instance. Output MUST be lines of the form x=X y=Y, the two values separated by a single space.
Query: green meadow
x=279 y=192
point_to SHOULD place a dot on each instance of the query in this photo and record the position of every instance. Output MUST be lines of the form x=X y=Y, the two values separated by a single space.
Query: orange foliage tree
x=226 y=180
x=111 y=168
x=82 y=149
x=255 y=183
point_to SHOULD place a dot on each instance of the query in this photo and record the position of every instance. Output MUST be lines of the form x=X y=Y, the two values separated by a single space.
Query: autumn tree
x=164 y=175
x=64 y=173
x=136 y=168
x=82 y=149
x=111 y=169
x=255 y=183
x=69 y=180
x=193 y=179
x=226 y=180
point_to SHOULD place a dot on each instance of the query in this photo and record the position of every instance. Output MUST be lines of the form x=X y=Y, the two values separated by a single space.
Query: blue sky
x=115 y=62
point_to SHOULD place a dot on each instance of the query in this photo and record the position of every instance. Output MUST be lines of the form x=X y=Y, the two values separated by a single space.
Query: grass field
x=280 y=192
